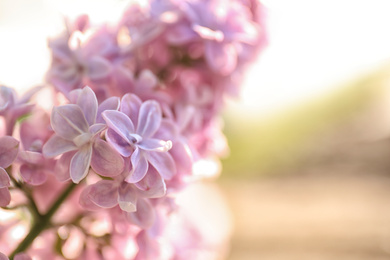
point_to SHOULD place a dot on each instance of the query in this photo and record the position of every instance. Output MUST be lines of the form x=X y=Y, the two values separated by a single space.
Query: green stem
x=27 y=192
x=42 y=222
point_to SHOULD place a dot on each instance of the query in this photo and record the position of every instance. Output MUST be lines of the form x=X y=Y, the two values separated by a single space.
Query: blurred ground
x=327 y=198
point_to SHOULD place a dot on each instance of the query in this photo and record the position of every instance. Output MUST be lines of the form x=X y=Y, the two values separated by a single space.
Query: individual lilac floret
x=12 y=107
x=131 y=132
x=75 y=130
x=80 y=58
x=9 y=148
x=34 y=132
x=131 y=198
x=222 y=25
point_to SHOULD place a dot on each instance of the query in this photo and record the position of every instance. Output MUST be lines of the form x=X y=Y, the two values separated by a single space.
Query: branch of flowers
x=43 y=222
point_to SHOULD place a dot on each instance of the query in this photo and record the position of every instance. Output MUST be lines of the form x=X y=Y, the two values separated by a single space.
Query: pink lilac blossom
x=98 y=176
x=75 y=130
x=9 y=147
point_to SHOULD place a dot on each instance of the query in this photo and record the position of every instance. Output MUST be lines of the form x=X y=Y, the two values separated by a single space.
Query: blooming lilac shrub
x=97 y=177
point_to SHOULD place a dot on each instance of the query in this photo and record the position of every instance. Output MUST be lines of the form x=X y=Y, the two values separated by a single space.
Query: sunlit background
x=308 y=171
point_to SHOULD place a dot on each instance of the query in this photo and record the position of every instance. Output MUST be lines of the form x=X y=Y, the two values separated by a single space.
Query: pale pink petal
x=5 y=181
x=164 y=164
x=7 y=97
x=31 y=157
x=61 y=170
x=86 y=202
x=119 y=143
x=22 y=256
x=5 y=197
x=147 y=80
x=111 y=103
x=130 y=106
x=149 y=119
x=127 y=197
x=9 y=148
x=97 y=128
x=88 y=103
x=98 y=68
x=221 y=57
x=68 y=121
x=152 y=185
x=180 y=34
x=34 y=131
x=73 y=96
x=32 y=176
x=148 y=248
x=139 y=166
x=29 y=94
x=183 y=156
x=144 y=216
x=79 y=165
x=155 y=145
x=21 y=109
x=119 y=122
x=3 y=256
x=104 y=193
x=57 y=145
x=105 y=160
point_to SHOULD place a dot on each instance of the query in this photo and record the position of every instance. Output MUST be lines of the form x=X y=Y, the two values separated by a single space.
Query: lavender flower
x=75 y=130
x=136 y=140
x=222 y=25
x=12 y=107
x=9 y=147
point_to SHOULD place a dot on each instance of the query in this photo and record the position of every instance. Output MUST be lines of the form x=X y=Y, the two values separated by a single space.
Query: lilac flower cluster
x=142 y=105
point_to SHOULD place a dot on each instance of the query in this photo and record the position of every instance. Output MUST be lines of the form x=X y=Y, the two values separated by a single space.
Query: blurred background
x=308 y=174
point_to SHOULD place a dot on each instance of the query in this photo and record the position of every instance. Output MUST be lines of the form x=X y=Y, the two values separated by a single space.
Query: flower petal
x=155 y=145
x=221 y=57
x=104 y=193
x=130 y=106
x=86 y=202
x=144 y=216
x=119 y=144
x=31 y=157
x=73 y=95
x=61 y=170
x=147 y=80
x=111 y=103
x=79 y=165
x=182 y=155
x=180 y=34
x=57 y=145
x=9 y=148
x=88 y=103
x=5 y=197
x=68 y=121
x=139 y=166
x=119 y=122
x=98 y=68
x=127 y=197
x=164 y=164
x=22 y=256
x=3 y=256
x=97 y=128
x=149 y=119
x=7 y=97
x=32 y=176
x=105 y=160
x=5 y=181
x=152 y=185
